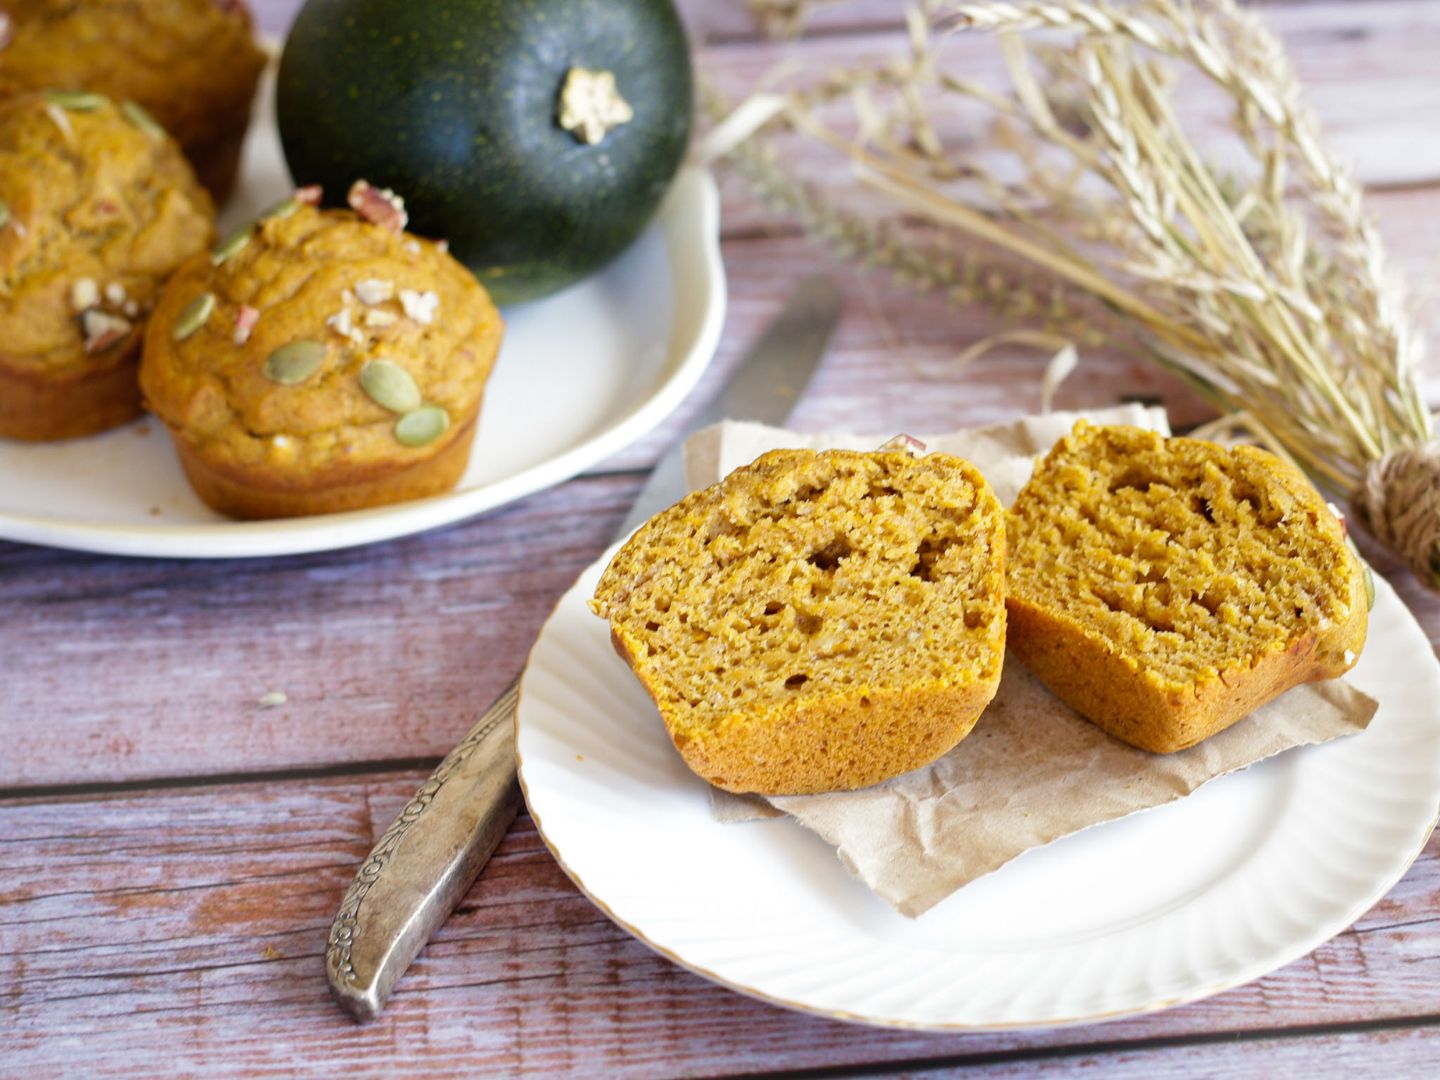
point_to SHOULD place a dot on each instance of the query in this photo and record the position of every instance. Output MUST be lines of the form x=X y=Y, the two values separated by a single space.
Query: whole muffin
x=97 y=207
x=193 y=64
x=320 y=361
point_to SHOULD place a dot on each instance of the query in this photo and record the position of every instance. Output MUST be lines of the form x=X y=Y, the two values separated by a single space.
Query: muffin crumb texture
x=1167 y=587
x=816 y=621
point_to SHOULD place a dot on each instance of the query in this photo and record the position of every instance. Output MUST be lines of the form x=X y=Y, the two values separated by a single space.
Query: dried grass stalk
x=1265 y=286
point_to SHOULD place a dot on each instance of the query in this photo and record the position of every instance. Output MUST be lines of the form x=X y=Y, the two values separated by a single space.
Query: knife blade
x=431 y=854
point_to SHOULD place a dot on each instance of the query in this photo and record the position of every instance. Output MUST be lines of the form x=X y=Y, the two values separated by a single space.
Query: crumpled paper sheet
x=1032 y=770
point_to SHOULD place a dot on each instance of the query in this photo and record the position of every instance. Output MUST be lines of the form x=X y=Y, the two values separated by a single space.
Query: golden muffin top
x=317 y=339
x=98 y=207
x=187 y=61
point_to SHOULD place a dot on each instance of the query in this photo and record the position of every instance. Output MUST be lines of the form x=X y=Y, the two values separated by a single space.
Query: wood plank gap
x=64 y=792
x=1116 y=1046
x=730 y=40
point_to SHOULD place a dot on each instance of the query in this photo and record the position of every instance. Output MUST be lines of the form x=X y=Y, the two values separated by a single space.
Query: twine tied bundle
x=1399 y=502
x=1083 y=209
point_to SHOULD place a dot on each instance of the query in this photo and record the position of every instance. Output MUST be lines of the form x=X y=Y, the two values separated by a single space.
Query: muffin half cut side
x=1165 y=588
x=816 y=621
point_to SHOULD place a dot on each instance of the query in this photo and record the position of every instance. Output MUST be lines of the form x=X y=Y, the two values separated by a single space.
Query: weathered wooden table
x=171 y=853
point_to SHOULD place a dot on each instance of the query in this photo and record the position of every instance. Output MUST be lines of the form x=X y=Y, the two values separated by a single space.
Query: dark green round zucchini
x=496 y=121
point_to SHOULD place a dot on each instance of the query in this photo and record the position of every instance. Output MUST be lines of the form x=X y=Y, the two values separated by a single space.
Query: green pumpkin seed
x=76 y=100
x=231 y=246
x=195 y=315
x=294 y=363
x=422 y=426
x=281 y=210
x=390 y=386
x=142 y=120
x=4 y=213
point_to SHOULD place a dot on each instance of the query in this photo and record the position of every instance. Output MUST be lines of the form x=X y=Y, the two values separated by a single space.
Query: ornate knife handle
x=425 y=863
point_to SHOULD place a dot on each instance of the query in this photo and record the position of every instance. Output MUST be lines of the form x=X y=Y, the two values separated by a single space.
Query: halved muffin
x=816 y=621
x=320 y=360
x=1165 y=587
x=97 y=208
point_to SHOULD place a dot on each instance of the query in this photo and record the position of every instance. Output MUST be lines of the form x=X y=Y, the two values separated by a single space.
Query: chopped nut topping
x=342 y=324
x=377 y=317
x=7 y=29
x=381 y=206
x=84 y=294
x=309 y=195
x=1349 y=657
x=245 y=319
x=374 y=291
x=115 y=293
x=131 y=308
x=102 y=330
x=420 y=306
x=442 y=245
x=412 y=246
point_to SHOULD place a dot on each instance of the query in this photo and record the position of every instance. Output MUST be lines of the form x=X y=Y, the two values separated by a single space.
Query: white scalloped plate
x=1252 y=872
x=581 y=374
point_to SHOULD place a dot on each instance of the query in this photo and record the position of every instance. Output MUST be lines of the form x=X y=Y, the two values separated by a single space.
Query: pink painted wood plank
x=180 y=930
x=144 y=668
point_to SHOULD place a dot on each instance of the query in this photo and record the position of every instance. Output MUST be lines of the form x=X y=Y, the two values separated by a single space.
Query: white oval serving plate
x=1250 y=873
x=580 y=375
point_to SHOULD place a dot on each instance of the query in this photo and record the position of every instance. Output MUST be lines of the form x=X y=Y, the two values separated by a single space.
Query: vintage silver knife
x=431 y=854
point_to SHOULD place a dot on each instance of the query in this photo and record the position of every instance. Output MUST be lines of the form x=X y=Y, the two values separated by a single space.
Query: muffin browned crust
x=99 y=207
x=273 y=397
x=193 y=64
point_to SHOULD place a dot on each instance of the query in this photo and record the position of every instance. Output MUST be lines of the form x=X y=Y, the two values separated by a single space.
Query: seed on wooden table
x=422 y=426
x=231 y=246
x=295 y=362
x=194 y=315
x=390 y=386
x=142 y=120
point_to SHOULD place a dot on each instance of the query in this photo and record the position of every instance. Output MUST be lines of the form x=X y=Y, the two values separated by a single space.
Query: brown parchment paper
x=1032 y=770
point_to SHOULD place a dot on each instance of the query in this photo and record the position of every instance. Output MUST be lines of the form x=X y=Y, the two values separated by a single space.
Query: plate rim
x=689 y=224
x=1298 y=949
